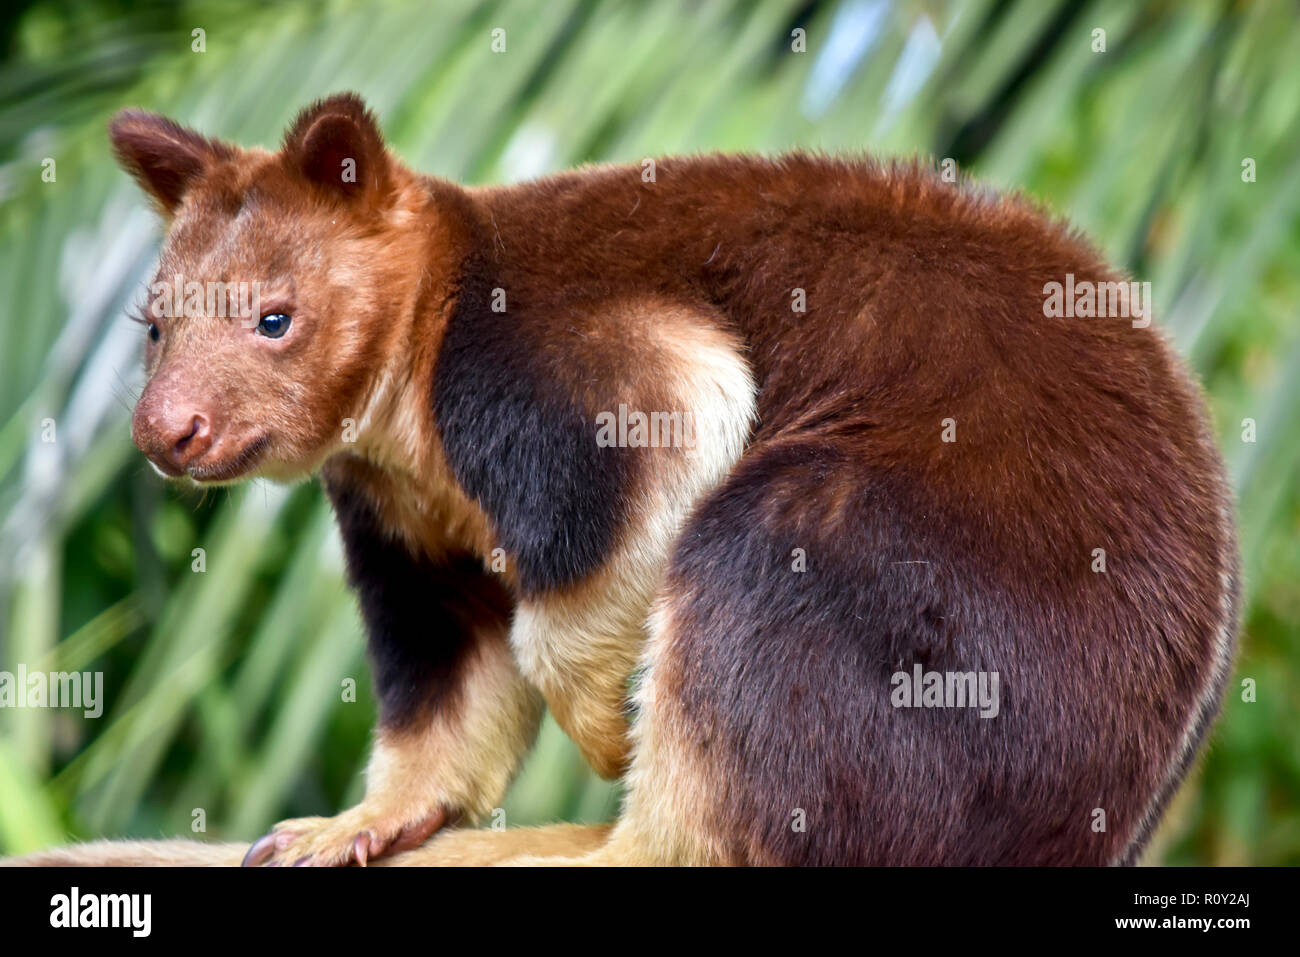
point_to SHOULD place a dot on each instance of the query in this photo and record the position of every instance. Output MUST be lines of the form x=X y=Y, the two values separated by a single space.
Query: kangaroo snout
x=172 y=432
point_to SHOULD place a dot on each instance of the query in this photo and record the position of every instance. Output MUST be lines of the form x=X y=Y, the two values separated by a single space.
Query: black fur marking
x=518 y=441
x=422 y=617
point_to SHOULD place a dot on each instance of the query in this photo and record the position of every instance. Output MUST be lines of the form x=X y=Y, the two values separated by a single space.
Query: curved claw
x=262 y=848
x=273 y=849
x=361 y=847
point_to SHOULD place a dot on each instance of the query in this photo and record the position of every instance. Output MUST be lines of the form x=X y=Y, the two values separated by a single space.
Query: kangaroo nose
x=173 y=434
x=190 y=443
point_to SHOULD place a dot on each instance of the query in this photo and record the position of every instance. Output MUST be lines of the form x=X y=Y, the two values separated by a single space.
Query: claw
x=290 y=838
x=361 y=847
x=262 y=848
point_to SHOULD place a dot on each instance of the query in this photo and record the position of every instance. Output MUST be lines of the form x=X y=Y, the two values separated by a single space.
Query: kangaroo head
x=286 y=285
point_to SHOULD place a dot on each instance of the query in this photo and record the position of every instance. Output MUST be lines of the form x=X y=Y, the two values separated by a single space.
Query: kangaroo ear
x=335 y=144
x=164 y=157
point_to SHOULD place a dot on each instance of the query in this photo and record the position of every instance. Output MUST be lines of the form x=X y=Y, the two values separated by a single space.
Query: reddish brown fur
x=764 y=691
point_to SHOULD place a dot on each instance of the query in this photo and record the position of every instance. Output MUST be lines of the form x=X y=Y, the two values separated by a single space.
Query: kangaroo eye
x=273 y=326
x=154 y=334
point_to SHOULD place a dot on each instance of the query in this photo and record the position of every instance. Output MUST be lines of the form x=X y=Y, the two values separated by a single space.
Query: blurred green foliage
x=223 y=688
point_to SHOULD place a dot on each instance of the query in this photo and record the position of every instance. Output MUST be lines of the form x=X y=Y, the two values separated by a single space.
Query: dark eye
x=273 y=326
x=154 y=334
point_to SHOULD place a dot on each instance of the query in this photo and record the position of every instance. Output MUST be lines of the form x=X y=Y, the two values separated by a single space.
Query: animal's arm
x=456 y=715
x=454 y=708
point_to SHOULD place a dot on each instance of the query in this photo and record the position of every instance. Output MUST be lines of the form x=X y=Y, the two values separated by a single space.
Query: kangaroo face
x=275 y=300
